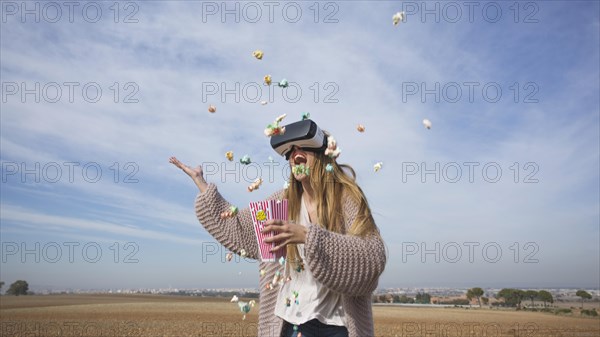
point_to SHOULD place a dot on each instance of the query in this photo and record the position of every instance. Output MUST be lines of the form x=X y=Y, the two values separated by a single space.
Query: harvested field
x=156 y=315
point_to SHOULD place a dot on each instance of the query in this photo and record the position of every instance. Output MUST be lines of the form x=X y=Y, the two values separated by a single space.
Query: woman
x=335 y=253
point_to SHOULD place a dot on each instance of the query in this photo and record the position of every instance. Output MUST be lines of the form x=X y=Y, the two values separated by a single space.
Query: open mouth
x=299 y=159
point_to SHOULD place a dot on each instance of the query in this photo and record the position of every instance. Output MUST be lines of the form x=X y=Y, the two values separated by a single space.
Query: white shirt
x=314 y=299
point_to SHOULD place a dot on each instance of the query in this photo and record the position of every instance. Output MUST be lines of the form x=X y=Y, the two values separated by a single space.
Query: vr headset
x=305 y=134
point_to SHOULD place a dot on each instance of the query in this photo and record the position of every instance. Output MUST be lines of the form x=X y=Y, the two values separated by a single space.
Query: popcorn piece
x=274 y=128
x=258 y=54
x=255 y=185
x=232 y=212
x=360 y=128
x=301 y=169
x=427 y=123
x=332 y=150
x=282 y=260
x=329 y=168
x=234 y=299
x=263 y=102
x=212 y=109
x=288 y=279
x=243 y=253
x=276 y=278
x=300 y=267
x=245 y=307
x=268 y=79
x=271 y=160
x=398 y=17
x=305 y=115
x=286 y=185
x=283 y=83
x=280 y=118
x=229 y=256
x=229 y=155
x=245 y=160
x=262 y=272
x=378 y=166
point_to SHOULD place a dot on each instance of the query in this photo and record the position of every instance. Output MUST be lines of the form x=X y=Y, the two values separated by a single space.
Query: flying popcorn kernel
x=427 y=124
x=378 y=166
x=245 y=160
x=332 y=150
x=283 y=83
x=274 y=128
x=360 y=128
x=258 y=54
x=229 y=155
x=212 y=109
x=398 y=17
x=301 y=169
x=232 y=212
x=255 y=185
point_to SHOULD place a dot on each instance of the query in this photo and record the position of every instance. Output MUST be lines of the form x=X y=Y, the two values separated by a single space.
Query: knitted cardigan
x=346 y=264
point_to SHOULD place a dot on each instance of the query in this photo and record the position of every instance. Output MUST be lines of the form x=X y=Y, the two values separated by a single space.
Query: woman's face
x=298 y=160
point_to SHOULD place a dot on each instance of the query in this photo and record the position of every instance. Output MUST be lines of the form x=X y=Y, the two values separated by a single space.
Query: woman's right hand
x=194 y=173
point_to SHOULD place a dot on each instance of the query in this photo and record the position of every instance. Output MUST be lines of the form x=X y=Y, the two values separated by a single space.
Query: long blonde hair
x=329 y=188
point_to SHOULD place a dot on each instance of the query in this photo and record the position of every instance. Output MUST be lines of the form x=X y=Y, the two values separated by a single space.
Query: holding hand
x=194 y=173
x=287 y=232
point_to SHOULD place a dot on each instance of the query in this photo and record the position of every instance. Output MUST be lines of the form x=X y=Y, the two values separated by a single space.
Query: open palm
x=194 y=173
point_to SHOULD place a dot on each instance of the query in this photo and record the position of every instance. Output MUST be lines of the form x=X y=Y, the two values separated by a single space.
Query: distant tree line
x=511 y=297
x=507 y=297
x=420 y=298
x=514 y=297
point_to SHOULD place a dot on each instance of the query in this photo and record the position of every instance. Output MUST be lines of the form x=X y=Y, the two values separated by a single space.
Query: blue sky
x=533 y=69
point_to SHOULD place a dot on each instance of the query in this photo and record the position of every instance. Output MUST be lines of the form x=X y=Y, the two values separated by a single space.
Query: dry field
x=154 y=315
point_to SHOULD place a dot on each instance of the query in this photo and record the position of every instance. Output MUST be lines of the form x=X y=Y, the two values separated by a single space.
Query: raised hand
x=194 y=173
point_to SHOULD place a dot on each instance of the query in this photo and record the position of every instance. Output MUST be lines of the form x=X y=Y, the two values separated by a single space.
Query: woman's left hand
x=286 y=232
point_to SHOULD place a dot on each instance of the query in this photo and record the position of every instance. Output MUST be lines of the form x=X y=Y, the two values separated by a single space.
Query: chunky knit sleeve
x=235 y=233
x=346 y=264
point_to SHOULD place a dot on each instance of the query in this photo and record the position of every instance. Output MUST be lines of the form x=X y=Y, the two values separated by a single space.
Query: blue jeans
x=314 y=328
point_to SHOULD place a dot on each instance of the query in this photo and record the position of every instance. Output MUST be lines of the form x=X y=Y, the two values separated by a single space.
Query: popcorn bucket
x=262 y=211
